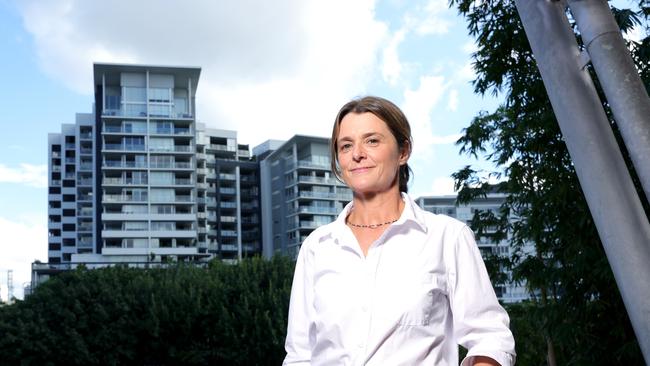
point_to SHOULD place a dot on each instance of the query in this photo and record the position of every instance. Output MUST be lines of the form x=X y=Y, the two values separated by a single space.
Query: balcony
x=123 y=198
x=123 y=147
x=315 y=210
x=316 y=180
x=171 y=149
x=321 y=195
x=221 y=147
x=226 y=176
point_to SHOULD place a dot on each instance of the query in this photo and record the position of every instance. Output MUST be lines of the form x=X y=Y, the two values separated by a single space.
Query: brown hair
x=394 y=118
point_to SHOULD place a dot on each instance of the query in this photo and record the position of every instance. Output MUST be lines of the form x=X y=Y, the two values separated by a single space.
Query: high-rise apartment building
x=299 y=192
x=72 y=191
x=446 y=205
x=229 y=195
x=139 y=180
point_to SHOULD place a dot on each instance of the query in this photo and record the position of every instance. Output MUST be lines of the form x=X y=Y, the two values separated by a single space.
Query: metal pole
x=619 y=78
x=613 y=201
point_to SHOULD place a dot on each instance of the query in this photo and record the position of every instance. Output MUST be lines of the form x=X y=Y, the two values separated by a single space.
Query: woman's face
x=368 y=154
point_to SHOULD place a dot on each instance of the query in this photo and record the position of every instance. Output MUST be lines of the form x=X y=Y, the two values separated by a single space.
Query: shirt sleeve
x=480 y=323
x=300 y=329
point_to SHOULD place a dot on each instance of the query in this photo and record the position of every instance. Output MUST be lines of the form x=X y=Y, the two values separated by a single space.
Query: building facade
x=299 y=193
x=139 y=180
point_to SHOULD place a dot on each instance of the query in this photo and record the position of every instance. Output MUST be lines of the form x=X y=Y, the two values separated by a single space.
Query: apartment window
x=162 y=195
x=162 y=209
x=54 y=246
x=136 y=225
x=68 y=198
x=68 y=242
x=68 y=227
x=163 y=127
x=68 y=212
x=134 y=209
x=133 y=143
x=161 y=144
x=160 y=95
x=134 y=127
x=55 y=190
x=54 y=260
x=164 y=161
x=160 y=110
x=134 y=94
x=162 y=226
x=162 y=178
x=135 y=243
x=112 y=102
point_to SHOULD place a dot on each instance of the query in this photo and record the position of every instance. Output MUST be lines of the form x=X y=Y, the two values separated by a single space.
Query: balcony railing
x=123 y=198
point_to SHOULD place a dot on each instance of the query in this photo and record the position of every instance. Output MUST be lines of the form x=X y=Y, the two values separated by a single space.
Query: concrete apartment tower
x=299 y=192
x=123 y=181
x=139 y=180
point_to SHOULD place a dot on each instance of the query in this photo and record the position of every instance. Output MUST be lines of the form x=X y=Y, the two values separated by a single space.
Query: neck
x=377 y=208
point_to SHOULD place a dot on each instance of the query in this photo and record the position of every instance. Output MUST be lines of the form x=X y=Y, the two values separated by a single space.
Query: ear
x=404 y=153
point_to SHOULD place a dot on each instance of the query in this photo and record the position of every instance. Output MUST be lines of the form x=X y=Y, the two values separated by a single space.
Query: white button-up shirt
x=421 y=290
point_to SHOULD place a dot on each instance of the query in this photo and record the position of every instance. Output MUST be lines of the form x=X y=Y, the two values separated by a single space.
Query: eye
x=372 y=141
x=345 y=147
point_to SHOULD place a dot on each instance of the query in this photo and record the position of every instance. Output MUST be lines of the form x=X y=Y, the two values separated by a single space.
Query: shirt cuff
x=503 y=358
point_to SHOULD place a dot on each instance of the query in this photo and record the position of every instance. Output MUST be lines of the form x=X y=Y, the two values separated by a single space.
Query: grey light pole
x=605 y=180
x=619 y=78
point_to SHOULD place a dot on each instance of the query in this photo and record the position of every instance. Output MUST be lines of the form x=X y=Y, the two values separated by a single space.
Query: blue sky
x=267 y=71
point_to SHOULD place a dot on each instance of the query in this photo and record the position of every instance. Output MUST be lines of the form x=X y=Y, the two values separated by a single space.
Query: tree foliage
x=576 y=310
x=182 y=315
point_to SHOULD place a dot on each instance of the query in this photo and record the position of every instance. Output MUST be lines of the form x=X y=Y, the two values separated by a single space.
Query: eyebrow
x=365 y=135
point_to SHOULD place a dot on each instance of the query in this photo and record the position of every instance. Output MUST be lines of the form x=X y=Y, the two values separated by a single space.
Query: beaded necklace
x=371 y=226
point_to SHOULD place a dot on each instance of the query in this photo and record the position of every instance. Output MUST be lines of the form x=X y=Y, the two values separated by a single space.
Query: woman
x=388 y=283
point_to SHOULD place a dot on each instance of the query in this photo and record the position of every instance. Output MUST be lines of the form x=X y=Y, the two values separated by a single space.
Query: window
x=136 y=225
x=160 y=95
x=133 y=143
x=134 y=94
x=162 y=195
x=162 y=226
x=134 y=209
x=161 y=144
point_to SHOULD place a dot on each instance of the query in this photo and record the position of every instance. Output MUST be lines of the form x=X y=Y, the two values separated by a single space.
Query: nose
x=358 y=153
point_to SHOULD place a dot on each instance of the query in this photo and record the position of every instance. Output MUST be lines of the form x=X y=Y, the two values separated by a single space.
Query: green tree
x=576 y=316
x=180 y=315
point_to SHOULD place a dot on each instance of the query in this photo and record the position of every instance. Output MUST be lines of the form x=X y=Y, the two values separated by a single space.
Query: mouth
x=360 y=169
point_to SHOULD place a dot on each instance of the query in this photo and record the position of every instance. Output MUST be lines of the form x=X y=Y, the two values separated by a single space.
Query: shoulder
x=438 y=223
x=322 y=233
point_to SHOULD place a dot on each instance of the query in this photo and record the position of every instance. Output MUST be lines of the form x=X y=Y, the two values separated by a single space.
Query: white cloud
x=452 y=103
x=24 y=240
x=392 y=66
x=288 y=63
x=28 y=174
x=466 y=72
x=442 y=186
x=470 y=47
x=434 y=18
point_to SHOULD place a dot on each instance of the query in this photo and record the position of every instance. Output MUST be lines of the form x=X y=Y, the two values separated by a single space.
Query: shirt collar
x=412 y=214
